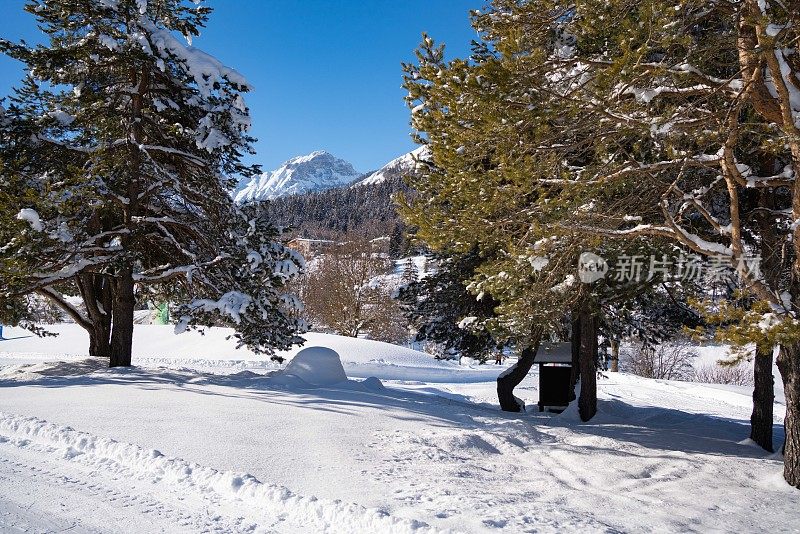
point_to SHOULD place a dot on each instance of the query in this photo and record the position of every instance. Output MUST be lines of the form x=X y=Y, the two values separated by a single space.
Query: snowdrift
x=415 y=450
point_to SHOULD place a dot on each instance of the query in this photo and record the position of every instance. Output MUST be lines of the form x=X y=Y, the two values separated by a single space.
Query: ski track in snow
x=49 y=496
x=48 y=464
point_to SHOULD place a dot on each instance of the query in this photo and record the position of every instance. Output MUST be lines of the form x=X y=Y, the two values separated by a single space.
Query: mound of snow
x=363 y=351
x=320 y=366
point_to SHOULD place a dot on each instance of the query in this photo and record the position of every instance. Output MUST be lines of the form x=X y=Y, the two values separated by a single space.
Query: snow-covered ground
x=202 y=437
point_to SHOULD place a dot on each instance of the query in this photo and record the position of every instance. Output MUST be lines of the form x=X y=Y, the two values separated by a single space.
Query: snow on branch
x=164 y=273
x=701 y=160
x=31 y=216
x=647 y=94
x=233 y=304
x=206 y=70
x=167 y=150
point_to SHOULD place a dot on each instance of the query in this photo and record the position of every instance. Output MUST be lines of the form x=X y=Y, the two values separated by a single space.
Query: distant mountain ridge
x=313 y=172
x=364 y=208
x=397 y=168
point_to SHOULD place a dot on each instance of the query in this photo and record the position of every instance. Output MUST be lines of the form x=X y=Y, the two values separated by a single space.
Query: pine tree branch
x=62 y=303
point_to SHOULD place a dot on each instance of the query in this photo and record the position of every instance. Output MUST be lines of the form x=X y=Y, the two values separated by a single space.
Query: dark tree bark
x=614 y=356
x=512 y=376
x=124 y=302
x=100 y=341
x=95 y=290
x=575 y=341
x=587 y=403
x=98 y=327
x=788 y=363
x=772 y=255
x=763 y=398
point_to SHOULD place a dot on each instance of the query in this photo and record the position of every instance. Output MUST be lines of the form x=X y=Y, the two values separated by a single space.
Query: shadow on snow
x=652 y=427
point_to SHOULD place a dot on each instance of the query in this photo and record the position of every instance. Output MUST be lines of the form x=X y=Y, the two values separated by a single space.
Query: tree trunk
x=124 y=300
x=772 y=243
x=614 y=356
x=100 y=341
x=575 y=343
x=122 y=316
x=98 y=338
x=763 y=398
x=587 y=403
x=789 y=365
x=511 y=377
x=95 y=290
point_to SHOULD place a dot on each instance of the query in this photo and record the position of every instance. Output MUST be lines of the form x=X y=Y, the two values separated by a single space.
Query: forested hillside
x=367 y=211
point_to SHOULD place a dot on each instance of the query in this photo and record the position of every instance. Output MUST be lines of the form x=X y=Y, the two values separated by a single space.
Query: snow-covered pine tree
x=32 y=248
x=441 y=310
x=657 y=154
x=132 y=140
x=410 y=271
x=248 y=289
x=685 y=115
x=505 y=178
x=473 y=194
x=481 y=120
x=715 y=189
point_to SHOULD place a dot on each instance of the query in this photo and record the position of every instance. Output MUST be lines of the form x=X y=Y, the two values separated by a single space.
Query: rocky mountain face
x=318 y=171
x=397 y=168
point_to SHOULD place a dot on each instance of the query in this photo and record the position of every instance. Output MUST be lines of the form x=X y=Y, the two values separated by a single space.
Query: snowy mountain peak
x=309 y=157
x=401 y=166
x=316 y=171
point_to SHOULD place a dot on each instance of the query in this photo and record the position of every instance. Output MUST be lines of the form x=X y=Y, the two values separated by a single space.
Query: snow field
x=265 y=500
x=211 y=350
x=659 y=456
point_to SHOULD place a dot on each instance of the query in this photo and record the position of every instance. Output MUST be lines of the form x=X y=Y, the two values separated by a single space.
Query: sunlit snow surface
x=201 y=437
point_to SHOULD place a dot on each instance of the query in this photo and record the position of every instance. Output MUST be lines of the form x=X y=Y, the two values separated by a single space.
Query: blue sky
x=326 y=72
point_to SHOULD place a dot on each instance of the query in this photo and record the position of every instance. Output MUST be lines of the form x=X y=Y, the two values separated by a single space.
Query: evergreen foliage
x=614 y=126
x=500 y=181
x=121 y=146
x=366 y=211
x=441 y=310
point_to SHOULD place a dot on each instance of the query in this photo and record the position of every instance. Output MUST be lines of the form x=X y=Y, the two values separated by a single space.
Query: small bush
x=670 y=361
x=738 y=375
